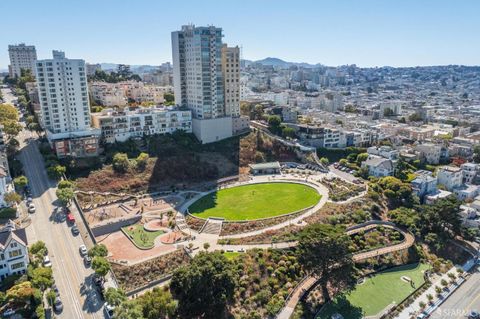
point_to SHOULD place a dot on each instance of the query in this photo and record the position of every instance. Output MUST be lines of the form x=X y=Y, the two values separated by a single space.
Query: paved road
x=68 y=268
x=462 y=301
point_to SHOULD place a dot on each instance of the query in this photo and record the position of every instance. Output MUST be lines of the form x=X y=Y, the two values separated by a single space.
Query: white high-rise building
x=199 y=83
x=65 y=108
x=21 y=57
x=231 y=79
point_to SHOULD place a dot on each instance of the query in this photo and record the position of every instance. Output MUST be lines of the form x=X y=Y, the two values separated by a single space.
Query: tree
x=8 y=112
x=115 y=297
x=41 y=277
x=158 y=304
x=99 y=250
x=274 y=122
x=12 y=198
x=362 y=157
x=38 y=248
x=120 y=163
x=20 y=182
x=65 y=184
x=288 y=132
x=324 y=161
x=129 y=309
x=323 y=250
x=415 y=117
x=142 y=161
x=56 y=171
x=65 y=195
x=476 y=154
x=407 y=217
x=100 y=265
x=204 y=287
x=169 y=98
x=388 y=112
x=401 y=170
x=442 y=218
x=206 y=246
x=21 y=293
x=51 y=296
x=11 y=128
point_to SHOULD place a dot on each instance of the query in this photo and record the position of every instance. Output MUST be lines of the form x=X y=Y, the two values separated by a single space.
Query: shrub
x=8 y=212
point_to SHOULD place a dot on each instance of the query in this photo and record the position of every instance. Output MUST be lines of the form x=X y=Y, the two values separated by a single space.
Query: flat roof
x=268 y=165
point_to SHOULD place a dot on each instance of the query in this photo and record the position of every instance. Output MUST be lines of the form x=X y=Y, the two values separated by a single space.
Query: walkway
x=305 y=285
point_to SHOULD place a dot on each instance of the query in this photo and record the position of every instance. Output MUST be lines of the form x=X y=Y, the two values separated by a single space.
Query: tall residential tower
x=202 y=70
x=21 y=57
x=65 y=108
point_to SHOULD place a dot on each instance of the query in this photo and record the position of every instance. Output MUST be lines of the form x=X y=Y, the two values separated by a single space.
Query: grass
x=255 y=201
x=376 y=293
x=141 y=237
x=231 y=255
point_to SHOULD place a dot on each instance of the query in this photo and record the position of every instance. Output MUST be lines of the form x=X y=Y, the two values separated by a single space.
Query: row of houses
x=119 y=94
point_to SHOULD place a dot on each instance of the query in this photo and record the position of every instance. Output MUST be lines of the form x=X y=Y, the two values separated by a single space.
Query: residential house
x=450 y=176
x=378 y=166
x=13 y=251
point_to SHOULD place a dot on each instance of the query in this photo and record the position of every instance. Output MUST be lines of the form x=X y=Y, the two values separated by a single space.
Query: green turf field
x=143 y=238
x=255 y=201
x=376 y=293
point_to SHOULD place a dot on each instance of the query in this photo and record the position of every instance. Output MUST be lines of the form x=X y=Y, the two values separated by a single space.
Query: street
x=72 y=278
x=462 y=301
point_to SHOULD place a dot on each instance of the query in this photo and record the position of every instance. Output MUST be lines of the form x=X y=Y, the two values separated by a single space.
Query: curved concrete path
x=307 y=284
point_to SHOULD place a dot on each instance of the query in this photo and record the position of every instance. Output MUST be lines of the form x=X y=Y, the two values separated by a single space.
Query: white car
x=47 y=262
x=83 y=250
x=108 y=310
x=31 y=208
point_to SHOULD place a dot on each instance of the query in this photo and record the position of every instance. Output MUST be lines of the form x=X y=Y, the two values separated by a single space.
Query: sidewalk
x=414 y=308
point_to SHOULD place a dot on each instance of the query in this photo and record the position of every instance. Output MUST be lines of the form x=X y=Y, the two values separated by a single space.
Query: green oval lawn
x=255 y=201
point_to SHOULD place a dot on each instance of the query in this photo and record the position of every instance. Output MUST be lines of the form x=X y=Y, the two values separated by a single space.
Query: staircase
x=212 y=226
x=180 y=222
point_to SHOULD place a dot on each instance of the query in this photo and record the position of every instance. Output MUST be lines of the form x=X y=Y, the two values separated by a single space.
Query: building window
x=18 y=265
x=15 y=253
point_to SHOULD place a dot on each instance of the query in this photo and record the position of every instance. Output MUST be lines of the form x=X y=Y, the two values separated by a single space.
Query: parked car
x=58 y=305
x=87 y=260
x=108 y=309
x=83 y=250
x=54 y=288
x=474 y=314
x=31 y=208
x=29 y=200
x=75 y=230
x=9 y=312
x=70 y=218
x=47 y=262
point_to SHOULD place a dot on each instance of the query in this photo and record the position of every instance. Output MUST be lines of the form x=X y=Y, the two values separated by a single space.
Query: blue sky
x=334 y=32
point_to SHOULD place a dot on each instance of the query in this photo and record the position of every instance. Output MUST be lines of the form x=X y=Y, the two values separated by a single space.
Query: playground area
x=377 y=293
x=131 y=208
x=123 y=250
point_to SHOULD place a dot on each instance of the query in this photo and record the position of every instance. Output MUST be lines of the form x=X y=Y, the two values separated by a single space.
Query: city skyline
x=326 y=32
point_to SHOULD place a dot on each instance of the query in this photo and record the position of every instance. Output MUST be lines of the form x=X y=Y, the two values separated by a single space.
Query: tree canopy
x=205 y=286
x=323 y=250
x=120 y=163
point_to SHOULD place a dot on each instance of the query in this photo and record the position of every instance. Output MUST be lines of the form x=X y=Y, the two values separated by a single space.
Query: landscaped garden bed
x=341 y=190
x=142 y=238
x=139 y=275
x=266 y=278
x=375 y=238
x=271 y=236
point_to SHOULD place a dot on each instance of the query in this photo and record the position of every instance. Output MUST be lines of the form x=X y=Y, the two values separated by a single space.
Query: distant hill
x=276 y=62
x=134 y=68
